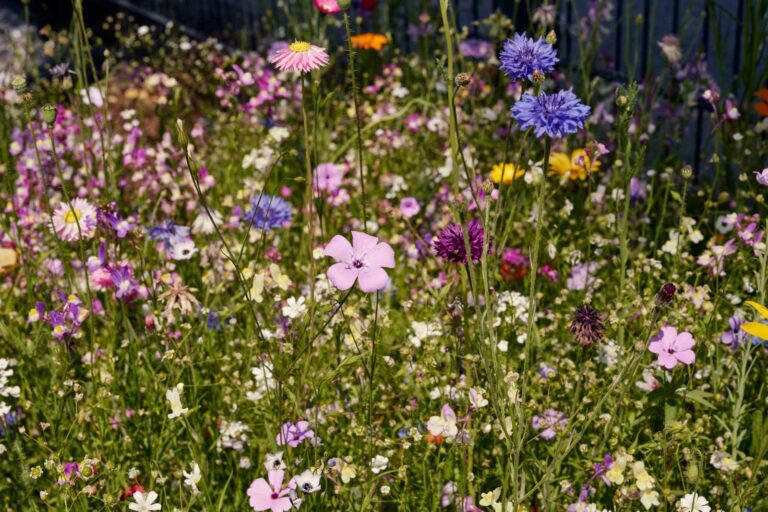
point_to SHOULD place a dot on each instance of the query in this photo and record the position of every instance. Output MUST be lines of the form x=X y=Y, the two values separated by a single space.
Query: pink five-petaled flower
x=270 y=496
x=363 y=261
x=328 y=6
x=672 y=347
x=300 y=56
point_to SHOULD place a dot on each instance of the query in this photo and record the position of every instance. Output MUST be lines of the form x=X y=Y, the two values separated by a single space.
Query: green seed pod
x=49 y=114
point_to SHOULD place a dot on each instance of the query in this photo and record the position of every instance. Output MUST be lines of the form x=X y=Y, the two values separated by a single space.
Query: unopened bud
x=687 y=171
x=621 y=100
x=551 y=37
x=49 y=114
x=344 y=4
x=537 y=77
x=19 y=84
x=463 y=79
x=666 y=294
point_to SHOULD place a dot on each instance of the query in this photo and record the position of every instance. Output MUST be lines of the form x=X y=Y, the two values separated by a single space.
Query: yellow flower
x=577 y=167
x=615 y=475
x=756 y=328
x=511 y=172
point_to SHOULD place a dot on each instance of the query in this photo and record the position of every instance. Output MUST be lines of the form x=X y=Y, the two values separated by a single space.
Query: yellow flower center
x=72 y=216
x=300 y=46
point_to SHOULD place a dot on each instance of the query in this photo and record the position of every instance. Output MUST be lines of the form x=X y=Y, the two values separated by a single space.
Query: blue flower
x=521 y=56
x=269 y=212
x=557 y=114
x=168 y=232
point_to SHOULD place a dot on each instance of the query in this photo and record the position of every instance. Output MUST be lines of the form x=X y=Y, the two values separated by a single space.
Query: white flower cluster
x=513 y=302
x=234 y=435
x=6 y=390
x=422 y=331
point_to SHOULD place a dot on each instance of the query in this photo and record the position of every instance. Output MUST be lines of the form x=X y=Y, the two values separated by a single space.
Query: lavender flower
x=549 y=423
x=734 y=336
x=449 y=244
x=522 y=56
x=557 y=114
x=269 y=212
x=167 y=232
x=476 y=49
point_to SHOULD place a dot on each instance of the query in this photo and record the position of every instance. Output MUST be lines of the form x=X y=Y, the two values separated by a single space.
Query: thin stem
x=358 y=125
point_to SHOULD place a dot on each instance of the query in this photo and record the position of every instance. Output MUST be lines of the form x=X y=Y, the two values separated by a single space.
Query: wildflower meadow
x=332 y=271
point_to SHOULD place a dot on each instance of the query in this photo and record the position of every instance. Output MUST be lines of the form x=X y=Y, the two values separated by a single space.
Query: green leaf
x=698 y=396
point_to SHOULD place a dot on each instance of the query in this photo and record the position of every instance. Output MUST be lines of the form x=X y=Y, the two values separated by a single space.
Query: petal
x=339 y=249
x=281 y=505
x=381 y=255
x=667 y=360
x=686 y=356
x=363 y=242
x=668 y=334
x=655 y=347
x=448 y=414
x=260 y=495
x=760 y=308
x=342 y=276
x=756 y=329
x=684 y=341
x=372 y=279
x=276 y=479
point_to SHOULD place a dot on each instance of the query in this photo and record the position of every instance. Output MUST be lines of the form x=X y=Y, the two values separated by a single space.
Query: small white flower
x=192 y=478
x=308 y=481
x=175 y=399
x=274 y=461
x=693 y=502
x=144 y=503
x=183 y=249
x=294 y=308
x=379 y=464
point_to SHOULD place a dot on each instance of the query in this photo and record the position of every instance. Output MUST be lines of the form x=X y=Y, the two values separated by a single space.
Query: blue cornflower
x=269 y=212
x=556 y=114
x=521 y=56
x=168 y=232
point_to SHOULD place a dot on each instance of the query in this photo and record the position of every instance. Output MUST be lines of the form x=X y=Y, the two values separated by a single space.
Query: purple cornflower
x=293 y=434
x=549 y=423
x=734 y=336
x=269 y=212
x=521 y=56
x=556 y=115
x=587 y=325
x=476 y=49
x=167 y=232
x=449 y=244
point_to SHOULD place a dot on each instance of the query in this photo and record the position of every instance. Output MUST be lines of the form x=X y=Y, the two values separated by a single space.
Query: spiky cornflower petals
x=76 y=220
x=555 y=115
x=269 y=212
x=449 y=244
x=300 y=56
x=521 y=56
x=587 y=325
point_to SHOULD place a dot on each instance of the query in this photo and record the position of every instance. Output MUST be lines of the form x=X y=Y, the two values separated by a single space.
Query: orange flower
x=761 y=107
x=369 y=41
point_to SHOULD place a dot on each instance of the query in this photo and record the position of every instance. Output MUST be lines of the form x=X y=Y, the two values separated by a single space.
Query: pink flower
x=328 y=6
x=270 y=496
x=299 y=56
x=409 y=207
x=328 y=177
x=672 y=347
x=363 y=261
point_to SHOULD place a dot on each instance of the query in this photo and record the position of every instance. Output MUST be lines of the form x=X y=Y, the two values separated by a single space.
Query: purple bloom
x=673 y=348
x=762 y=177
x=522 y=56
x=269 y=212
x=476 y=48
x=734 y=336
x=449 y=244
x=409 y=207
x=293 y=434
x=364 y=261
x=549 y=423
x=125 y=285
x=557 y=114
x=587 y=325
x=328 y=177
x=582 y=276
x=167 y=232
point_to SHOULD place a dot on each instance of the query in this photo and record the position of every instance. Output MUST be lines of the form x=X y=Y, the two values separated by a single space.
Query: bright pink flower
x=270 y=496
x=299 y=56
x=363 y=261
x=672 y=347
x=328 y=6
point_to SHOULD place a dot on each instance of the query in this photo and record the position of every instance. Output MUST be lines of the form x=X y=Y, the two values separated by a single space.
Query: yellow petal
x=759 y=308
x=8 y=259
x=560 y=163
x=756 y=329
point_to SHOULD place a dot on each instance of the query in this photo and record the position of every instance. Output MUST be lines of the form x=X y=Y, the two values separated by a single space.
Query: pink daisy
x=66 y=219
x=672 y=347
x=270 y=496
x=364 y=261
x=300 y=56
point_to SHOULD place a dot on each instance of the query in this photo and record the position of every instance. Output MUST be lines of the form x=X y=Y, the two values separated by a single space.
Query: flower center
x=274 y=496
x=357 y=263
x=73 y=216
x=300 y=46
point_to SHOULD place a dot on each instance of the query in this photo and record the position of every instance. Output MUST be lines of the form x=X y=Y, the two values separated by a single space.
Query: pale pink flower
x=672 y=347
x=299 y=56
x=75 y=220
x=270 y=496
x=364 y=261
x=328 y=6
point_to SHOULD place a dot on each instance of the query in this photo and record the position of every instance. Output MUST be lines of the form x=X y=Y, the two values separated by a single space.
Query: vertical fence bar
x=646 y=37
x=737 y=43
x=700 y=102
x=619 y=35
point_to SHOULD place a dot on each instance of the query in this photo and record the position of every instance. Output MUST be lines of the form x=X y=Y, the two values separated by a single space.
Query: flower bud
x=537 y=77
x=344 y=4
x=621 y=100
x=49 y=114
x=687 y=171
x=551 y=37
x=463 y=79
x=19 y=84
x=666 y=294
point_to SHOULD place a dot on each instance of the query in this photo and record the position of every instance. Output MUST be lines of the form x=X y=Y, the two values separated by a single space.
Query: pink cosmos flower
x=364 y=261
x=299 y=56
x=672 y=347
x=270 y=496
x=328 y=6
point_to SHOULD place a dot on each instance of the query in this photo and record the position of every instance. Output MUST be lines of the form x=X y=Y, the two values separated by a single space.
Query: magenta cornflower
x=449 y=244
x=364 y=261
x=300 y=56
x=271 y=495
x=673 y=348
x=75 y=221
